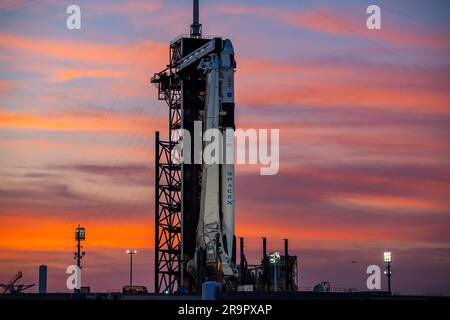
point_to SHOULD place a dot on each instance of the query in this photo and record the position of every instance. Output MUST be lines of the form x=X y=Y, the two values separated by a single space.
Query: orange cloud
x=339 y=24
x=5 y=87
x=38 y=151
x=315 y=84
x=390 y=202
x=278 y=229
x=125 y=8
x=336 y=23
x=62 y=74
x=31 y=232
x=87 y=51
x=105 y=121
x=306 y=94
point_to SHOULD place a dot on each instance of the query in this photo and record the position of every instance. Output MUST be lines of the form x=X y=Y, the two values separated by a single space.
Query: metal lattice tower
x=178 y=186
x=167 y=190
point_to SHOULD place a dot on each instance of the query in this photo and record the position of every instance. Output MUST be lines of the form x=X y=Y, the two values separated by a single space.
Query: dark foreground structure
x=227 y=296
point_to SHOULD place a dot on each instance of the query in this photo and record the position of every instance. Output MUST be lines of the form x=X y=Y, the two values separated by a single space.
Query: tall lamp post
x=388 y=273
x=130 y=253
x=80 y=235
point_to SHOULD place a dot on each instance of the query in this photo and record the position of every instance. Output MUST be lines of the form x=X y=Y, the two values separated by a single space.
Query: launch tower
x=194 y=203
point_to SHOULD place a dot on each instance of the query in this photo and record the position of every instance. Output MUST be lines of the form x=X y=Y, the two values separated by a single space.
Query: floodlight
x=274 y=257
x=80 y=233
x=387 y=256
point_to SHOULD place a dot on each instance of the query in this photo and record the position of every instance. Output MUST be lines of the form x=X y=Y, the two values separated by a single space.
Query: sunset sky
x=364 y=119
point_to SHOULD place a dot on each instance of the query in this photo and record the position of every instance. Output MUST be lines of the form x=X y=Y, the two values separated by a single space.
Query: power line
x=411 y=16
x=104 y=185
x=417 y=66
x=16 y=7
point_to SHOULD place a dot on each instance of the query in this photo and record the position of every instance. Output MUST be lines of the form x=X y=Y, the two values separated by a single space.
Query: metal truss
x=168 y=183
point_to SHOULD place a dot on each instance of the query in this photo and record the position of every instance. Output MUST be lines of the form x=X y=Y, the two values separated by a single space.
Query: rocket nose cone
x=228 y=46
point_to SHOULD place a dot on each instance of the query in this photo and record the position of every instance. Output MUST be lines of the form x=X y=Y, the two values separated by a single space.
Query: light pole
x=131 y=252
x=388 y=260
x=80 y=235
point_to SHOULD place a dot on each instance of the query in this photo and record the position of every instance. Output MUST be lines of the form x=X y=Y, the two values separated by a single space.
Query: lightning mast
x=196 y=27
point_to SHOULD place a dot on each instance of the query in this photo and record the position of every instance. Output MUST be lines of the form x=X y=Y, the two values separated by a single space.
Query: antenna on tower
x=196 y=26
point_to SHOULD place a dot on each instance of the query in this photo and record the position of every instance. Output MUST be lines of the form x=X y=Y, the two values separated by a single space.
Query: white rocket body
x=227 y=100
x=215 y=230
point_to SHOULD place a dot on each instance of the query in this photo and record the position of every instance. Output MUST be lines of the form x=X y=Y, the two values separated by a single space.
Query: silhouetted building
x=43 y=279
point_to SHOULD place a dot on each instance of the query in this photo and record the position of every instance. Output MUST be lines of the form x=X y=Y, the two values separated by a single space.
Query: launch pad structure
x=194 y=203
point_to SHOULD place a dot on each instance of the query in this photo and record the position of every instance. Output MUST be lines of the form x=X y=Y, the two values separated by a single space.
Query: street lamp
x=388 y=273
x=131 y=252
